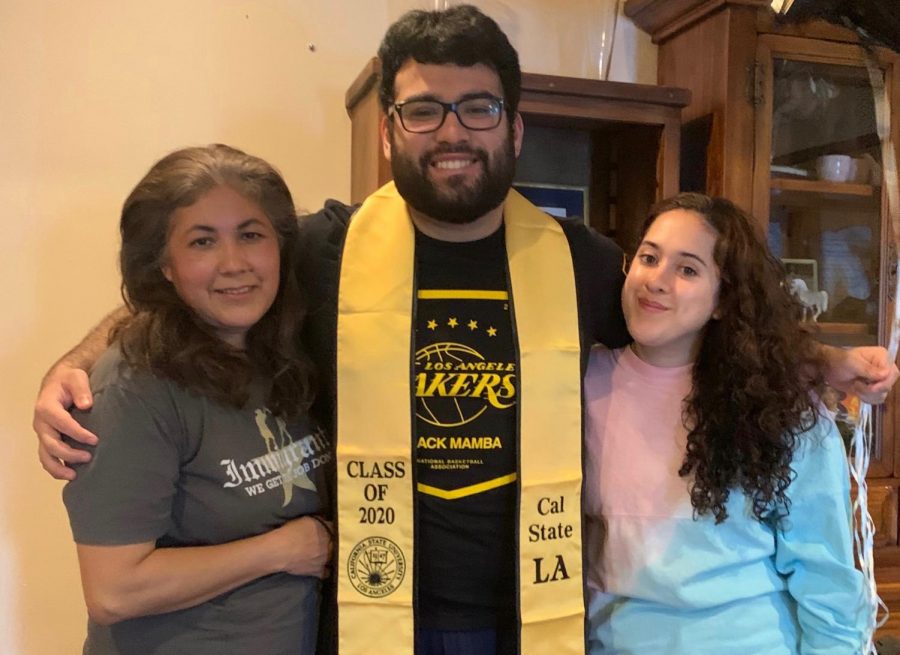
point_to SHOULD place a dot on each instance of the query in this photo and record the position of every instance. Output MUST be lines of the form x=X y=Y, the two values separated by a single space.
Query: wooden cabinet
x=777 y=111
x=619 y=141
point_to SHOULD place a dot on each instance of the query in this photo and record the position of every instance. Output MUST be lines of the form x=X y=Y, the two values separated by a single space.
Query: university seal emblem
x=376 y=567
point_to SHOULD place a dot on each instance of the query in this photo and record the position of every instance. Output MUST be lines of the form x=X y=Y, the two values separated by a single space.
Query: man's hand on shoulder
x=866 y=371
x=63 y=387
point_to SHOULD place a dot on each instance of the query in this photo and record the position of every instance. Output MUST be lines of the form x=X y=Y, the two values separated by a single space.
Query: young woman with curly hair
x=196 y=519
x=718 y=492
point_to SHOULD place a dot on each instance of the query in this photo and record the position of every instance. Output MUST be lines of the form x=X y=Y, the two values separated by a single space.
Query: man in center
x=459 y=294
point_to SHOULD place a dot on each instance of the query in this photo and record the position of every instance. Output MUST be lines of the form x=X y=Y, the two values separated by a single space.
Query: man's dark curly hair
x=757 y=377
x=163 y=334
x=461 y=35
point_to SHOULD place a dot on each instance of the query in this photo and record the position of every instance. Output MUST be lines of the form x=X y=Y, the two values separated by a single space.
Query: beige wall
x=91 y=93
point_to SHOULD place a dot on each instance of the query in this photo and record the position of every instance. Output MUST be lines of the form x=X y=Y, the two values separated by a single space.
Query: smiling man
x=455 y=171
x=462 y=297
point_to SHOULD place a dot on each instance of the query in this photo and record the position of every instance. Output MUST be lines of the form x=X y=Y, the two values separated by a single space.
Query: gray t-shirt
x=183 y=470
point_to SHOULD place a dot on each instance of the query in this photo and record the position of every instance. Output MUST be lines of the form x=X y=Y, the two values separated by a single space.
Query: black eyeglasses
x=421 y=116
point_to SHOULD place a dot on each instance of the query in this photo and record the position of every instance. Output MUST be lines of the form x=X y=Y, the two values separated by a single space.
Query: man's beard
x=458 y=201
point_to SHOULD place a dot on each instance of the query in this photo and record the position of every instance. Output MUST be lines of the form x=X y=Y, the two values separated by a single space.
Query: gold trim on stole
x=551 y=591
x=374 y=419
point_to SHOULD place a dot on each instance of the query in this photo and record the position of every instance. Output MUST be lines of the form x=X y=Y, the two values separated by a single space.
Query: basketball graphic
x=451 y=389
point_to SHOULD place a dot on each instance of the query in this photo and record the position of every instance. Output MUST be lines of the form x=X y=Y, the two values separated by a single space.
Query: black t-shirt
x=465 y=553
x=465 y=407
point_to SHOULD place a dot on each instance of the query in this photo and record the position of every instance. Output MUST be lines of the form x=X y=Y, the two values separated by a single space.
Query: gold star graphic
x=473 y=324
x=432 y=325
x=452 y=322
x=492 y=332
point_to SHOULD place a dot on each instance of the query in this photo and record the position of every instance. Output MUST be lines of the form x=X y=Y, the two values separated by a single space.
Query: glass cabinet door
x=818 y=187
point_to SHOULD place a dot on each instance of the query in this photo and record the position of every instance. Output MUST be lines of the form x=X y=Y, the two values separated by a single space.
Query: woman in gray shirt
x=196 y=519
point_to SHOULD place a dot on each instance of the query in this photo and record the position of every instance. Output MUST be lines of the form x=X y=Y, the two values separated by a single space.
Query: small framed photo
x=803 y=269
x=558 y=200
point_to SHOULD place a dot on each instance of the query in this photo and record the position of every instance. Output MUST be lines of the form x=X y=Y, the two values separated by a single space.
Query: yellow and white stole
x=375 y=420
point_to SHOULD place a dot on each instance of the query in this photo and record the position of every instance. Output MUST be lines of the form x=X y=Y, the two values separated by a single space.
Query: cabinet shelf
x=823 y=187
x=843 y=334
x=820 y=193
x=854 y=146
x=836 y=329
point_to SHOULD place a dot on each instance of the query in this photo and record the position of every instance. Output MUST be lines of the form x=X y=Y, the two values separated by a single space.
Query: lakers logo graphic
x=455 y=385
x=376 y=567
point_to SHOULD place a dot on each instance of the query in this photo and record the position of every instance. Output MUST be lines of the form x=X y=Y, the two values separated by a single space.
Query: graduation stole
x=375 y=423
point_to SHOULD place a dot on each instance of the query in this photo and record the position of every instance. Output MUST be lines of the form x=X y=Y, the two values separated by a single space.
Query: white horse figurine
x=813 y=302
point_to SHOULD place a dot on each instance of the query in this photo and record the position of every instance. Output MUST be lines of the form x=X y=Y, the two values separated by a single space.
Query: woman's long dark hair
x=163 y=334
x=757 y=376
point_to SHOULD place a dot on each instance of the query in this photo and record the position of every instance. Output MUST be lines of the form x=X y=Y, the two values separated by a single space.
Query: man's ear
x=386 y=127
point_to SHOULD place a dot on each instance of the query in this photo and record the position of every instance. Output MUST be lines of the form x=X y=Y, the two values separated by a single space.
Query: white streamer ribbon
x=862 y=444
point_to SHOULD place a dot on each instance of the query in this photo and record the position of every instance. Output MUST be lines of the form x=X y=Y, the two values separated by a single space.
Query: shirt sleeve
x=814 y=550
x=599 y=276
x=124 y=495
x=321 y=242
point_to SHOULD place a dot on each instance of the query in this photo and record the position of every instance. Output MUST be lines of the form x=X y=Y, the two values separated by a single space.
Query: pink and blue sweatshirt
x=663 y=582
